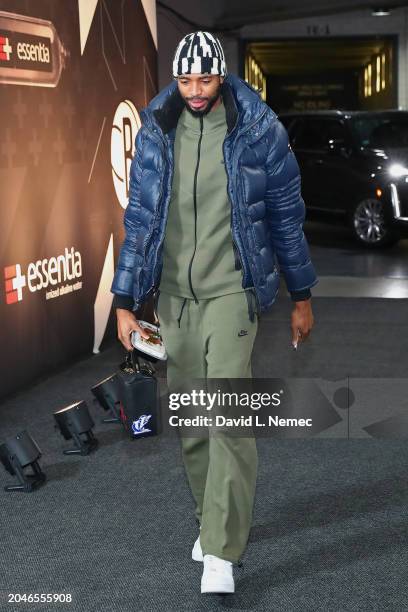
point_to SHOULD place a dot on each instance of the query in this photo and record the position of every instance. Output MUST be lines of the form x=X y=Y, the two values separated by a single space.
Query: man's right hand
x=127 y=323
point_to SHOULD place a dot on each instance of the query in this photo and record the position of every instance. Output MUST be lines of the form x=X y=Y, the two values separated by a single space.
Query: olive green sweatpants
x=214 y=339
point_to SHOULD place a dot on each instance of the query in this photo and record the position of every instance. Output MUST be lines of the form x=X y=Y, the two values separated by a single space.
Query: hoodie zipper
x=195 y=210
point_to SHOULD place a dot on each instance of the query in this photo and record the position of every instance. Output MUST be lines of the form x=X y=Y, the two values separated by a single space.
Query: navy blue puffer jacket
x=264 y=188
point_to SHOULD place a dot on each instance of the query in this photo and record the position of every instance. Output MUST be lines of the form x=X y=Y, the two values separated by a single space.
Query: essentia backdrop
x=73 y=76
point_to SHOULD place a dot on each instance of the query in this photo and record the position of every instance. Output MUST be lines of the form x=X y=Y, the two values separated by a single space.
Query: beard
x=210 y=104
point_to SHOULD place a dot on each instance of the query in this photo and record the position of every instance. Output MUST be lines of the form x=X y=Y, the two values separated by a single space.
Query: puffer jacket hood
x=267 y=209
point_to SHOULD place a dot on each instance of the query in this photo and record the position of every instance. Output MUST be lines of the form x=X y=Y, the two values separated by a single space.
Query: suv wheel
x=370 y=225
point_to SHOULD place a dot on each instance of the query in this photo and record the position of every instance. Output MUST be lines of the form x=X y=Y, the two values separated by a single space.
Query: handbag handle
x=133 y=363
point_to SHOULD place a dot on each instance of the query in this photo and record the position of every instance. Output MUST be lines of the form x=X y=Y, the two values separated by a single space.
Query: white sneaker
x=217 y=576
x=197 y=553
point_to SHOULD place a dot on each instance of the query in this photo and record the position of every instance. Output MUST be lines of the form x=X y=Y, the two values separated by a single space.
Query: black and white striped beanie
x=199 y=53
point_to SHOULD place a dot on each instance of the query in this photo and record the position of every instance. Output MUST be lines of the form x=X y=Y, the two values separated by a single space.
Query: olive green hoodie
x=198 y=256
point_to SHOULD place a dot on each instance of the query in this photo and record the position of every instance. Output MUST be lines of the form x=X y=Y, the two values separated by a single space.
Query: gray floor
x=330 y=529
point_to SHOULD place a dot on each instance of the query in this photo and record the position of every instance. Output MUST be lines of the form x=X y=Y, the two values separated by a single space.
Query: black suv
x=354 y=164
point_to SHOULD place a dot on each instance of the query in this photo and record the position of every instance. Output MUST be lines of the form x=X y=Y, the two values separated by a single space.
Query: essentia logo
x=44 y=273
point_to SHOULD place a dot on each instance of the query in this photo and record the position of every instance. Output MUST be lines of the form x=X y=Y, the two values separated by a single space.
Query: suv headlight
x=397 y=170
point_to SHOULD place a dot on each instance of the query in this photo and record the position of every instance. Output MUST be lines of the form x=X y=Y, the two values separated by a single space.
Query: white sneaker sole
x=217 y=588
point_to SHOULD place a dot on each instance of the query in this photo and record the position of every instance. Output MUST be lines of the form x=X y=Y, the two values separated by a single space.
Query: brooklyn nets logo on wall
x=126 y=124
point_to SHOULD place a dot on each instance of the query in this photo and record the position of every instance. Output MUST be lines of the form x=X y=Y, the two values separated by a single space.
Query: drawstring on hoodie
x=181 y=311
x=155 y=302
x=252 y=306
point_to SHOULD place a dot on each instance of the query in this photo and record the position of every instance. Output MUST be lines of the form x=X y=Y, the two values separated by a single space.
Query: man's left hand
x=302 y=321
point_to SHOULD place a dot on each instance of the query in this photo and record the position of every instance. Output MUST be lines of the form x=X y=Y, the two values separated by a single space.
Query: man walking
x=215 y=213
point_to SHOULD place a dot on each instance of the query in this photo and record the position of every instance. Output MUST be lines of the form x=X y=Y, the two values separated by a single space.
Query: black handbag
x=139 y=397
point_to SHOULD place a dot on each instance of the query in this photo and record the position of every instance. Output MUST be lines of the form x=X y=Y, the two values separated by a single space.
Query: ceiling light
x=380 y=12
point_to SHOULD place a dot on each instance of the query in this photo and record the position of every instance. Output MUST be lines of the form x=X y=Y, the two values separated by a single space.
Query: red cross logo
x=14 y=281
x=5 y=48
